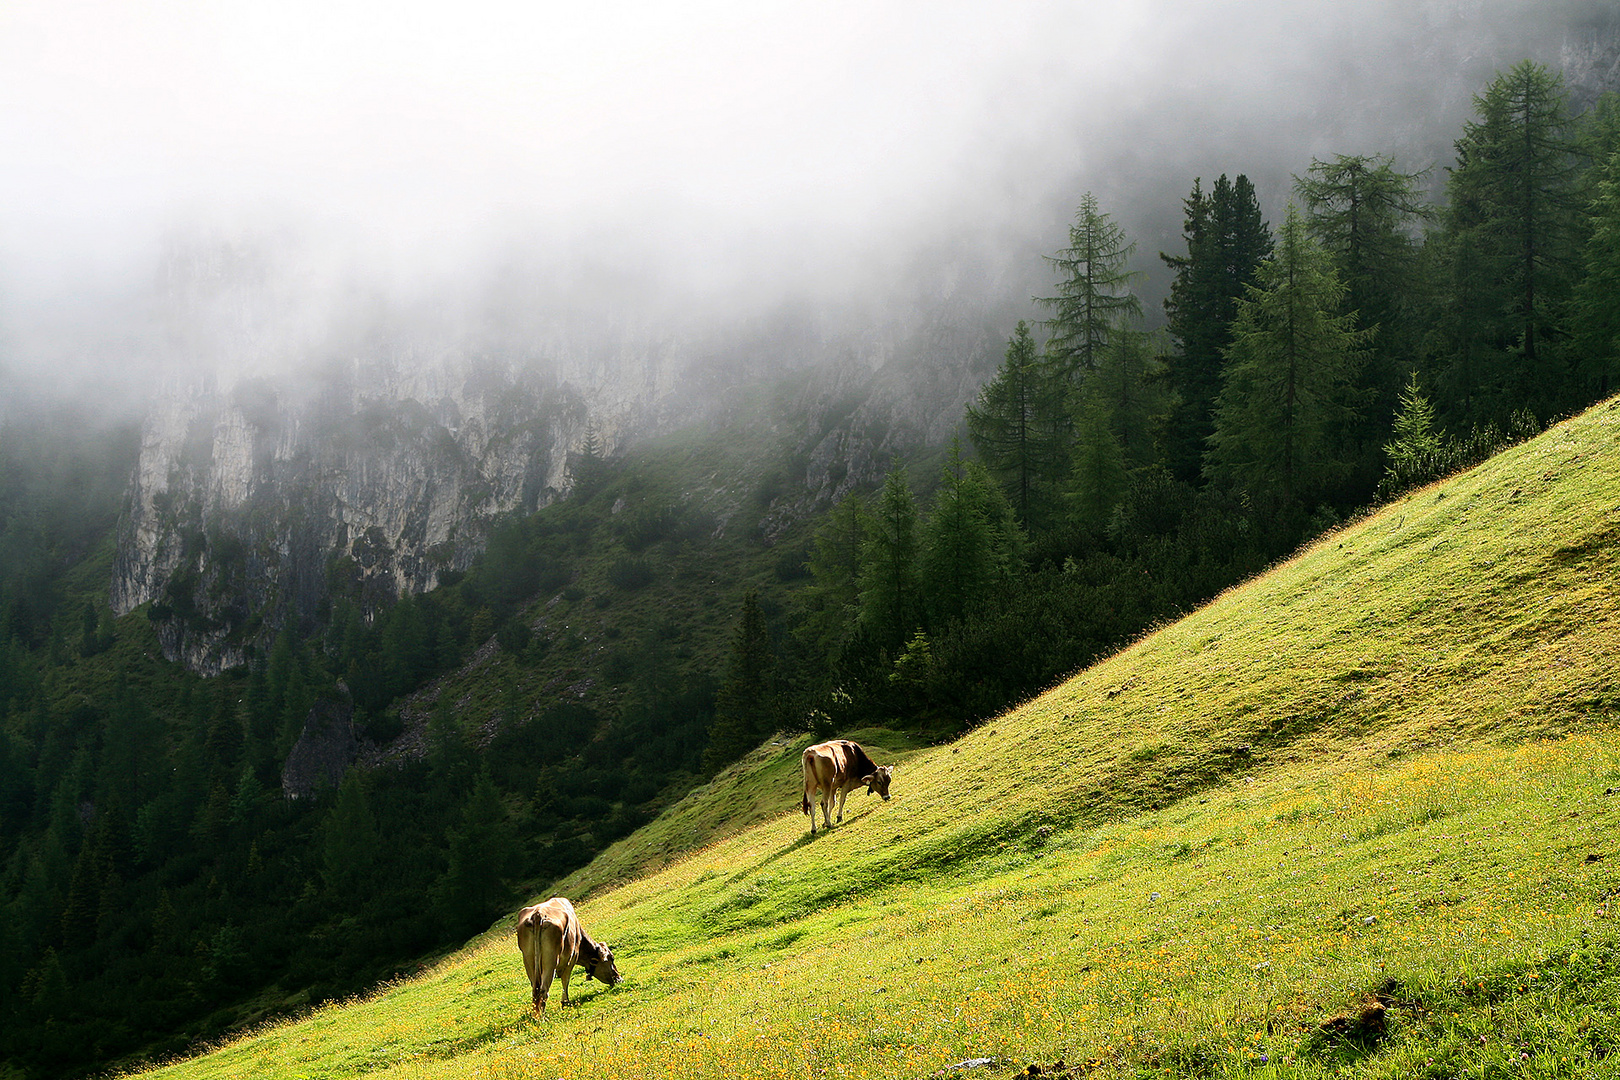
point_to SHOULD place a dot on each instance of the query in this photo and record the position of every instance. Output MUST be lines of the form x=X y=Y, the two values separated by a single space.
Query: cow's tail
x=809 y=774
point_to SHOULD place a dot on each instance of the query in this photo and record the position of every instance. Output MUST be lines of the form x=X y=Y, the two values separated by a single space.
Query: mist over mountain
x=252 y=192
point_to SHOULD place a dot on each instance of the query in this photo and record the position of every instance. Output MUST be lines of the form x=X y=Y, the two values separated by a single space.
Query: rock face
x=248 y=502
x=253 y=503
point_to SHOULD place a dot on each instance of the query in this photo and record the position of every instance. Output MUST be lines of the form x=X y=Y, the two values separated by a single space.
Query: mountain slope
x=1372 y=789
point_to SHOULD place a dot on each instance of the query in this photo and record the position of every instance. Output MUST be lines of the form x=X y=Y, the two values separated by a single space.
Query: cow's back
x=554 y=918
x=824 y=764
x=856 y=763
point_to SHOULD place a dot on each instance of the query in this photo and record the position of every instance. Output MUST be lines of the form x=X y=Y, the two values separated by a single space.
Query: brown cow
x=836 y=767
x=553 y=943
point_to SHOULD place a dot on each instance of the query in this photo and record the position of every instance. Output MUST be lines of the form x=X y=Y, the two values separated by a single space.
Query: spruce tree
x=1413 y=453
x=831 y=602
x=588 y=467
x=1287 y=387
x=479 y=848
x=1227 y=240
x=349 y=838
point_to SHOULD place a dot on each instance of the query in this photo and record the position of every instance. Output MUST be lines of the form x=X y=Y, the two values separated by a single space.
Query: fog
x=657 y=161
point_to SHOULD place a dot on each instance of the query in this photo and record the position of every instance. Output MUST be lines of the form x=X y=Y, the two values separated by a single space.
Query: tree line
x=1372 y=341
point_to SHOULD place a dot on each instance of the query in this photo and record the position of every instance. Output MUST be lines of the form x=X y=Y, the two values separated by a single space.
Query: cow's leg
x=529 y=942
x=826 y=805
x=842 y=795
x=549 y=948
x=562 y=977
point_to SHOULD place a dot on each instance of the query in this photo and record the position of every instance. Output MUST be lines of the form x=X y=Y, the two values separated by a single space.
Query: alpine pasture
x=1358 y=817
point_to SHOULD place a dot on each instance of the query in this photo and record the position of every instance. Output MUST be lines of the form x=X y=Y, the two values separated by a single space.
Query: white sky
x=436 y=122
x=716 y=140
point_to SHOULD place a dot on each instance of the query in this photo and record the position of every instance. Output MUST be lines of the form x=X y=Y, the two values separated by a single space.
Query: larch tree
x=1019 y=425
x=1093 y=292
x=1291 y=363
x=891 y=574
x=970 y=542
x=1128 y=385
x=1512 y=217
x=1365 y=212
x=1097 y=479
x=745 y=709
x=1596 y=307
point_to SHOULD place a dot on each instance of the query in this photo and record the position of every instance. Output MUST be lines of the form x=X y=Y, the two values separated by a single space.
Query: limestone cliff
x=247 y=500
x=251 y=501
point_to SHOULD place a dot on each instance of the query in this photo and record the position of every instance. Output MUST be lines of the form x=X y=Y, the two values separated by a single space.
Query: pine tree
x=1227 y=240
x=1291 y=362
x=1093 y=294
x=745 y=710
x=1019 y=426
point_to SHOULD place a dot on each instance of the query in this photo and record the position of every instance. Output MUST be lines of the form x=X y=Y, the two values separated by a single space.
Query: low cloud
x=316 y=162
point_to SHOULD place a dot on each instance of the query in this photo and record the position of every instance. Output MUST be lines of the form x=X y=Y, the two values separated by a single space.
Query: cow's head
x=599 y=965
x=879 y=781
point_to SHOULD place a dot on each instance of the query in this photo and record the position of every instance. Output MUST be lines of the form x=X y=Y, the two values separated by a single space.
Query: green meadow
x=1357 y=817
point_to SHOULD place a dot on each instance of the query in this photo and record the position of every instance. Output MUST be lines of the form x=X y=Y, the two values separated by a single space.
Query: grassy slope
x=1382 y=767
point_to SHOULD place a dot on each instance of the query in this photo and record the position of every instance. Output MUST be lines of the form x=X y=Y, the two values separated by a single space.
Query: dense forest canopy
x=159 y=885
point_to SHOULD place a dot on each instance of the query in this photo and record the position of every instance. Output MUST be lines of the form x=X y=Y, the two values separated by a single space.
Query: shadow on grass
x=803 y=841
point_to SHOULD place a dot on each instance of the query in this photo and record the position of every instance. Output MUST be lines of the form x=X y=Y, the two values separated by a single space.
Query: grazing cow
x=553 y=943
x=836 y=767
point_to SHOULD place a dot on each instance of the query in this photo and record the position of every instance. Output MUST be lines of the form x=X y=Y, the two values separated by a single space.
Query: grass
x=1356 y=817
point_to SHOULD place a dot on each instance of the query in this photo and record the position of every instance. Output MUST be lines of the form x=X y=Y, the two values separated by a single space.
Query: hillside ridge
x=1388 y=754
